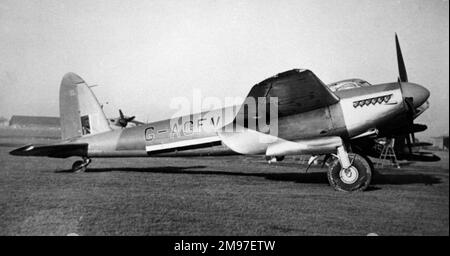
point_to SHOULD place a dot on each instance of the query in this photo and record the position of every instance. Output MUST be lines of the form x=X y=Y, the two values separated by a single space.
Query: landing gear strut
x=81 y=165
x=351 y=172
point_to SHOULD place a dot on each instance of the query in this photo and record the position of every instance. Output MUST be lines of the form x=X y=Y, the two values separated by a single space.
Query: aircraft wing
x=137 y=122
x=298 y=90
x=181 y=145
x=62 y=150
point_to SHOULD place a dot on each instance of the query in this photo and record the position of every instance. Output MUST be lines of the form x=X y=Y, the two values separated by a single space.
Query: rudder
x=79 y=110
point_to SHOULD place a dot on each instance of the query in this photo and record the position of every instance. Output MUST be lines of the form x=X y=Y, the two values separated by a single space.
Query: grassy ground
x=214 y=196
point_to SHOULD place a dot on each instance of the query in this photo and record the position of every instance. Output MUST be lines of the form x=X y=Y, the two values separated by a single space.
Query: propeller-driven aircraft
x=291 y=113
x=122 y=121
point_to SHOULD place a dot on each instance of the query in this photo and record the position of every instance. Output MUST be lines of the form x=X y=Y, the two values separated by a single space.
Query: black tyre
x=78 y=166
x=375 y=172
x=355 y=178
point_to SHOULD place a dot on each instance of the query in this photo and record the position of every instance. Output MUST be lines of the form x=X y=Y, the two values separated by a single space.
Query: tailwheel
x=81 y=165
x=356 y=177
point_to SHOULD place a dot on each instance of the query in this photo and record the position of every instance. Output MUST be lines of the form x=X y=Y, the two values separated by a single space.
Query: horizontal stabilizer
x=55 y=150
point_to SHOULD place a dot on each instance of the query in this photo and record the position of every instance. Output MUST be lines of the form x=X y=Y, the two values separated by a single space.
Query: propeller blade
x=137 y=122
x=413 y=138
x=408 y=143
x=410 y=104
x=124 y=120
x=410 y=138
x=401 y=64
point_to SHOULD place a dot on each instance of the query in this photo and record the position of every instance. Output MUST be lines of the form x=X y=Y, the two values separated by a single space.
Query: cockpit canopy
x=348 y=84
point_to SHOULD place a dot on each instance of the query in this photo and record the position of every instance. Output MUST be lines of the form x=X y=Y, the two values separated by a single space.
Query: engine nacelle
x=322 y=145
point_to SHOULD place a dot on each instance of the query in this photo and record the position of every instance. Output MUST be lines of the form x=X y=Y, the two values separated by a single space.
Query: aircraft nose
x=419 y=93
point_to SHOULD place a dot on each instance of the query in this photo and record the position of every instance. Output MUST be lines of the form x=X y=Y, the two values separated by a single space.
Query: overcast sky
x=143 y=53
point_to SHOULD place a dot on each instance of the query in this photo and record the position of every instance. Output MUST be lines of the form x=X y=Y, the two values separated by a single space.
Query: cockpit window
x=348 y=84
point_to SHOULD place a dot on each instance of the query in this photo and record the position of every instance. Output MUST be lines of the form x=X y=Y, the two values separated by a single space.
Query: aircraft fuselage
x=357 y=111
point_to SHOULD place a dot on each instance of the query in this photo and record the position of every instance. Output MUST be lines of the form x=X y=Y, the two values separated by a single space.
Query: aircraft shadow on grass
x=313 y=177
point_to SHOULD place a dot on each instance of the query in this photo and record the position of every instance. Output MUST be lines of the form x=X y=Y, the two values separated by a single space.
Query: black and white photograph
x=246 y=119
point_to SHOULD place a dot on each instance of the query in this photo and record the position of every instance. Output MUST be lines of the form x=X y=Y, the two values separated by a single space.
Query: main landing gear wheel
x=81 y=165
x=357 y=177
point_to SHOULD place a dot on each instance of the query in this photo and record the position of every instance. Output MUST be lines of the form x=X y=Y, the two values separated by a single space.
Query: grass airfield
x=234 y=195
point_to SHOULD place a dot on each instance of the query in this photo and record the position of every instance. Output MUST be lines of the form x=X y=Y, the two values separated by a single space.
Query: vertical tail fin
x=79 y=110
